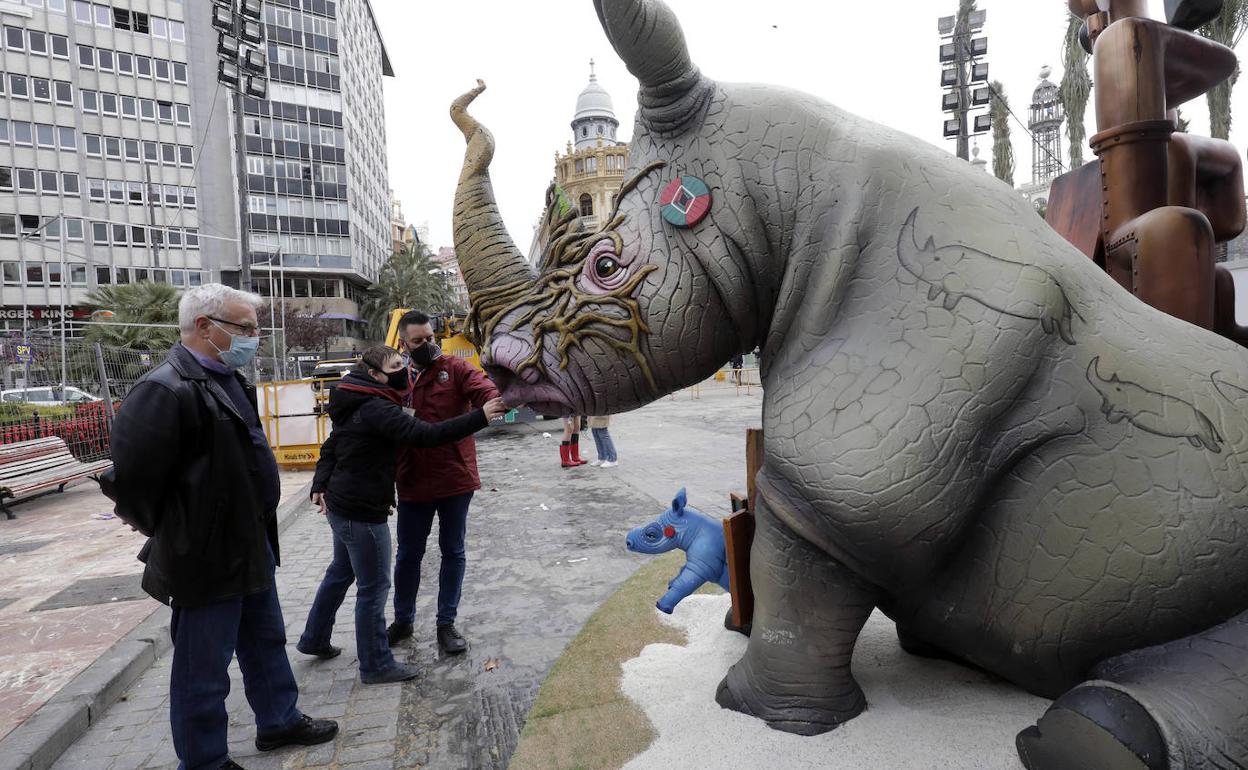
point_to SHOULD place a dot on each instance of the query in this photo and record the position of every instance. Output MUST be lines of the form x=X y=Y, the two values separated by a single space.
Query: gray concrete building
x=98 y=147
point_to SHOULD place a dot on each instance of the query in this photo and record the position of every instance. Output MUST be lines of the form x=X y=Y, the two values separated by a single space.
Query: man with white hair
x=194 y=473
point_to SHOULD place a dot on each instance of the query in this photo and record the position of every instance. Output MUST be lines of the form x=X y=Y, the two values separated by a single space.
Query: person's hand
x=495 y=408
x=318 y=498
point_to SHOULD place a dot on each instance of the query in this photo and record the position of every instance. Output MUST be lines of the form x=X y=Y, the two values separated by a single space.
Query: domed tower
x=592 y=170
x=1045 y=123
x=595 y=115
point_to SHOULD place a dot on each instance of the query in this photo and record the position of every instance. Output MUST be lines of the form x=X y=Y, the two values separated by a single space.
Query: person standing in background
x=435 y=482
x=607 y=457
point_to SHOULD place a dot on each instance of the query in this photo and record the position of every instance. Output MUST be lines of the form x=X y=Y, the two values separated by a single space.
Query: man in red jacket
x=435 y=481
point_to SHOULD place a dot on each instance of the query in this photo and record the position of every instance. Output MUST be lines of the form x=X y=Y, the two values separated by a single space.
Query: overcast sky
x=878 y=59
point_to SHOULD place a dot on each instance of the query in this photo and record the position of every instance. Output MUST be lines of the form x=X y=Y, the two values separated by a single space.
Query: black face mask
x=397 y=380
x=425 y=354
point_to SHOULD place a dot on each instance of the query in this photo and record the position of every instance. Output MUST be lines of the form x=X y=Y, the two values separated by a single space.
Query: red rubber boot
x=565 y=455
x=574 y=451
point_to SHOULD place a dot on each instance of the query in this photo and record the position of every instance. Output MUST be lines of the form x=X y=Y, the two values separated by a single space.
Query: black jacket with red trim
x=358 y=461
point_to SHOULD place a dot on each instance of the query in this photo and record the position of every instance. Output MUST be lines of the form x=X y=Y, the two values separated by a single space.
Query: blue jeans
x=415 y=523
x=604 y=444
x=204 y=640
x=361 y=556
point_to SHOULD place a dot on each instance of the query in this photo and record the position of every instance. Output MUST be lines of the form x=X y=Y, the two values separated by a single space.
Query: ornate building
x=1045 y=125
x=592 y=169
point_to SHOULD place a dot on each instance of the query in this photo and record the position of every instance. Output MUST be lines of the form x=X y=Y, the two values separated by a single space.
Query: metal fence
x=68 y=388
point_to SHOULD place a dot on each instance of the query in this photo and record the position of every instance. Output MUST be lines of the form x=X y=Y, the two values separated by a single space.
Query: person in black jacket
x=192 y=471
x=354 y=486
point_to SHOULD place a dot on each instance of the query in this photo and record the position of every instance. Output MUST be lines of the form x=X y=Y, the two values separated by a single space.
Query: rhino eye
x=606 y=267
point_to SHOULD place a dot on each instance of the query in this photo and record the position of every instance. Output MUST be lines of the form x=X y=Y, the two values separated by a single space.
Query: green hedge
x=13 y=413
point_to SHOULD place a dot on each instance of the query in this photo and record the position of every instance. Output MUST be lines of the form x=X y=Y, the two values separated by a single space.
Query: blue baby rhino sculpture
x=701 y=537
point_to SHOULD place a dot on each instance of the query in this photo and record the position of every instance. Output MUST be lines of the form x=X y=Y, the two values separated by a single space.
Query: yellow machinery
x=448 y=332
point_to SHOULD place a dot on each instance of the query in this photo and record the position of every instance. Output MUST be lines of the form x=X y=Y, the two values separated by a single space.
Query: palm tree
x=1228 y=28
x=145 y=303
x=1002 y=147
x=1075 y=89
x=410 y=278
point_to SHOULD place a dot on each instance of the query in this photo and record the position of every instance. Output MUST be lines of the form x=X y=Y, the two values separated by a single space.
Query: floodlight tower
x=962 y=56
x=242 y=67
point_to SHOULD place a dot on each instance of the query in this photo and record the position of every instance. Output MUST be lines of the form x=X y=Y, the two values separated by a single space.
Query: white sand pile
x=921 y=713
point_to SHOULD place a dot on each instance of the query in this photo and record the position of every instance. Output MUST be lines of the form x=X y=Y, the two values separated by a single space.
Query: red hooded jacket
x=448 y=387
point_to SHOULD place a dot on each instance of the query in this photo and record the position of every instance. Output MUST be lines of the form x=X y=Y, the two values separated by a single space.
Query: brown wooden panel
x=738 y=536
x=753 y=459
x=1074 y=209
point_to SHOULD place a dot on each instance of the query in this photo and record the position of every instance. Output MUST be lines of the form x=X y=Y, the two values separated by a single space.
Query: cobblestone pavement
x=545 y=548
x=69 y=590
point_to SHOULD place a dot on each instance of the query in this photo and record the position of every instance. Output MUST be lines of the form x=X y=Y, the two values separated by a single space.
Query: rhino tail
x=1209 y=437
x=909 y=252
x=933 y=292
x=951 y=300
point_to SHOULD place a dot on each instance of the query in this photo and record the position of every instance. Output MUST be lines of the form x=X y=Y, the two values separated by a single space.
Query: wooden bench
x=30 y=469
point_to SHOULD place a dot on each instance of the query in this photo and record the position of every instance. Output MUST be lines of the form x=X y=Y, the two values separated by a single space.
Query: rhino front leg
x=808 y=610
x=681 y=586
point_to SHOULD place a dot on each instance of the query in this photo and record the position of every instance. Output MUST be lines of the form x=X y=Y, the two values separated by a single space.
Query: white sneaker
x=596 y=463
x=610 y=464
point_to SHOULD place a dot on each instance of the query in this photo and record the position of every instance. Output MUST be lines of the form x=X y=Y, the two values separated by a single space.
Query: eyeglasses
x=251 y=330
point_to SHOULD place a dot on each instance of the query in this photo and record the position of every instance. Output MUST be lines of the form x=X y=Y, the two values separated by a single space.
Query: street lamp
x=281 y=293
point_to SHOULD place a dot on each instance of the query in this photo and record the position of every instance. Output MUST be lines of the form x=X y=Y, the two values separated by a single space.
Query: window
x=77 y=274
x=136 y=192
x=26 y=179
x=42 y=89
x=183 y=115
x=121 y=18
x=123 y=275
x=112 y=147
x=54 y=270
x=64 y=93
x=105 y=59
x=49 y=182
x=17 y=85
x=8 y=228
x=132 y=149
x=103 y=276
x=587 y=206
x=192 y=238
x=125 y=64
x=60 y=46
x=158 y=27
x=164 y=110
x=82 y=12
x=184 y=156
x=174 y=237
x=108 y=104
x=162 y=69
x=6 y=179
x=4 y=125
x=290 y=132
x=93 y=145
x=138 y=235
x=168 y=154
x=329 y=174
x=86 y=56
x=327 y=137
x=188 y=196
x=69 y=183
x=12 y=270
x=196 y=277
x=14 y=39
x=177 y=277
x=95 y=189
x=177 y=31
x=255 y=165
x=119 y=235
x=139 y=21
x=34 y=273
x=38 y=42
x=116 y=191
x=179 y=72
x=143 y=66
x=99 y=234
x=29 y=224
x=171 y=194
x=73 y=228
x=103 y=17
x=67 y=137
x=147 y=109
x=150 y=152
x=45 y=136
x=129 y=107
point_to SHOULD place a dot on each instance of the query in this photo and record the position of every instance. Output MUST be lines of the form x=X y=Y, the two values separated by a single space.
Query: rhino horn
x=647 y=36
x=487 y=256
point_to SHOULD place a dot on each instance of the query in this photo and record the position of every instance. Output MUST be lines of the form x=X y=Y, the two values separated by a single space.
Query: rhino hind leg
x=808 y=611
x=1183 y=704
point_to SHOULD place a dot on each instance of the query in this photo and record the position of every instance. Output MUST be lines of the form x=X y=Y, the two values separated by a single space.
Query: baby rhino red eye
x=606 y=267
x=669 y=531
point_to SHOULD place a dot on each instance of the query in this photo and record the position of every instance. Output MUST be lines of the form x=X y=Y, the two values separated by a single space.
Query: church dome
x=594 y=101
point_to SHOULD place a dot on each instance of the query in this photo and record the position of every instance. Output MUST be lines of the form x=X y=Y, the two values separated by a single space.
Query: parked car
x=48 y=396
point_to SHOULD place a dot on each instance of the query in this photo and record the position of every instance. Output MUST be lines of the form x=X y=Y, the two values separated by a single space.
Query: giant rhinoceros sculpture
x=968 y=425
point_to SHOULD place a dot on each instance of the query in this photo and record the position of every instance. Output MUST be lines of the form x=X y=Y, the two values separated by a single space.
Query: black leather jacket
x=184 y=474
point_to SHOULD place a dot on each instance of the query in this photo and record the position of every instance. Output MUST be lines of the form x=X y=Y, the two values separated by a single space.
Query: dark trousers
x=361 y=556
x=204 y=640
x=415 y=523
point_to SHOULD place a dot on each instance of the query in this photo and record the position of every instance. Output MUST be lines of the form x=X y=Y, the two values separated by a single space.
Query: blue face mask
x=242 y=349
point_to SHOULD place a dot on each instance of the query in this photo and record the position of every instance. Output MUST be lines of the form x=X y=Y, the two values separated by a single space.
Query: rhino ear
x=679 y=502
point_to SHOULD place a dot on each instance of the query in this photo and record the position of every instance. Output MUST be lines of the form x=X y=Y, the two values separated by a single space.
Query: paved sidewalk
x=545 y=548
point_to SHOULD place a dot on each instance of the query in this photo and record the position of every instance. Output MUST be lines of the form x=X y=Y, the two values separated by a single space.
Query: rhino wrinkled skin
x=968 y=425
